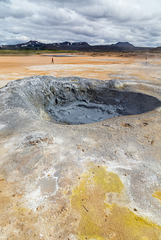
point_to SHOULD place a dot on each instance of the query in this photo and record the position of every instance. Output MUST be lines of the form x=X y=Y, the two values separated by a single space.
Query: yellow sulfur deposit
x=101 y=220
x=157 y=195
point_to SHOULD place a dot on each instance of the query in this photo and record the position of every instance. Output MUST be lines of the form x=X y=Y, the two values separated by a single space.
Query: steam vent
x=80 y=159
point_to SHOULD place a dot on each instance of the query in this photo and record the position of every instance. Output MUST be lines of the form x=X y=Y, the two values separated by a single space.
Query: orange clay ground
x=90 y=65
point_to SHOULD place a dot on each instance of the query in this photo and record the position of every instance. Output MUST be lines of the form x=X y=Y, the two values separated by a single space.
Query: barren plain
x=66 y=171
x=101 y=66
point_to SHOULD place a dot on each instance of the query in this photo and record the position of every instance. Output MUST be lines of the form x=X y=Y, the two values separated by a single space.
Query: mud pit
x=77 y=101
x=83 y=103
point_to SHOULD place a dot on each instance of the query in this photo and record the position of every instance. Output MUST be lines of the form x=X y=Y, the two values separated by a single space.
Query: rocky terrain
x=80 y=159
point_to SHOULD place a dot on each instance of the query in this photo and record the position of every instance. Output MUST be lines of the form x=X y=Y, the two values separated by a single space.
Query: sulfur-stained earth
x=76 y=181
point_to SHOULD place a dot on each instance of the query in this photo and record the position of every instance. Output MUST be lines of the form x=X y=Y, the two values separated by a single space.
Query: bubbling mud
x=77 y=105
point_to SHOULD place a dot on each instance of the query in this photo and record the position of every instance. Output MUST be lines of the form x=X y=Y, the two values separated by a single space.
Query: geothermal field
x=80 y=146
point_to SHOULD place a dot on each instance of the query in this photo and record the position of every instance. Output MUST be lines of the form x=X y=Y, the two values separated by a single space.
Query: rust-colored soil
x=100 y=66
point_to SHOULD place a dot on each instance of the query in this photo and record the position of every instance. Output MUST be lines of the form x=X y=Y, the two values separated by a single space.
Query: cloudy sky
x=93 y=21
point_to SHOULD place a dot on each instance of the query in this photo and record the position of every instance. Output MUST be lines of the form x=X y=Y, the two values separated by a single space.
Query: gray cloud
x=9 y=10
x=94 y=21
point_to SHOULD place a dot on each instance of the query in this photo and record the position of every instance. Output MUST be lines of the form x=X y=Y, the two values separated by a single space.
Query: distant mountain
x=123 y=44
x=30 y=45
x=35 y=45
x=78 y=46
x=157 y=49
